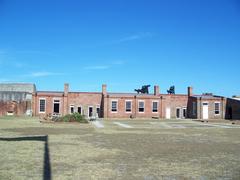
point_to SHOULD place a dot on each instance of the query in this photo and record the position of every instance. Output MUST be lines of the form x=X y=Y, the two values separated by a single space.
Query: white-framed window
x=114 y=106
x=42 y=105
x=141 y=106
x=155 y=106
x=128 y=106
x=217 y=108
x=194 y=105
x=71 y=109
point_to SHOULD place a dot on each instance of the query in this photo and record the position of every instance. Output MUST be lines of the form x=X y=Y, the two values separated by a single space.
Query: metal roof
x=18 y=87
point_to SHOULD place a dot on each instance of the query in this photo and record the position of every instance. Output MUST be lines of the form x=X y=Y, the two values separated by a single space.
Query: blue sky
x=123 y=43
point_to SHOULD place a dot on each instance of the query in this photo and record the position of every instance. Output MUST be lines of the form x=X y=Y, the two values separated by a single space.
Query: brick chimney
x=190 y=91
x=156 y=90
x=66 y=89
x=104 y=89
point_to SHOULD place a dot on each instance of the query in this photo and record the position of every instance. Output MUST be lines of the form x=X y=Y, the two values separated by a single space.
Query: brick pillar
x=156 y=90
x=104 y=89
x=105 y=100
x=161 y=107
x=65 y=99
x=200 y=108
x=190 y=91
x=223 y=105
x=136 y=107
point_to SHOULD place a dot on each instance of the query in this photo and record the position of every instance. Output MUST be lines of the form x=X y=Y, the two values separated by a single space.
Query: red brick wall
x=84 y=100
x=164 y=101
x=173 y=101
x=76 y=99
x=234 y=105
x=18 y=108
x=103 y=100
x=49 y=103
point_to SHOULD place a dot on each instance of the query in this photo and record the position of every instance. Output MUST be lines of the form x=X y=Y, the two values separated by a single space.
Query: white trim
x=143 y=106
x=217 y=102
x=42 y=112
x=157 y=106
x=126 y=106
x=114 y=100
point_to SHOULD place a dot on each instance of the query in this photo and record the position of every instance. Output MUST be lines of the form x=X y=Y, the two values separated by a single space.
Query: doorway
x=79 y=110
x=230 y=112
x=205 y=110
x=98 y=111
x=178 y=113
x=56 y=106
x=184 y=113
x=168 y=113
x=90 y=111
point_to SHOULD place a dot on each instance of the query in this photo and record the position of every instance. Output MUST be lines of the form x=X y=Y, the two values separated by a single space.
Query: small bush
x=75 y=117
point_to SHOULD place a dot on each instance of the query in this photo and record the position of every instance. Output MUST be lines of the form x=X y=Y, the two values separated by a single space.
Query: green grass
x=80 y=151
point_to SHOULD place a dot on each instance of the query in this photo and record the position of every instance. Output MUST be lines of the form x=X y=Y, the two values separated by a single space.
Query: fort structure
x=24 y=99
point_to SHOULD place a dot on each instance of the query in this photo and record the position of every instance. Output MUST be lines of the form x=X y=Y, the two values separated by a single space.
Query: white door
x=205 y=110
x=168 y=113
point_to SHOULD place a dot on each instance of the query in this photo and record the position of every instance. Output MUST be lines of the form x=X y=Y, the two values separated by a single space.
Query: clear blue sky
x=123 y=43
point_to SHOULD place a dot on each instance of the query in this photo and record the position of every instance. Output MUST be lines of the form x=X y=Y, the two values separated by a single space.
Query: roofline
x=60 y=92
x=8 y=83
x=86 y=92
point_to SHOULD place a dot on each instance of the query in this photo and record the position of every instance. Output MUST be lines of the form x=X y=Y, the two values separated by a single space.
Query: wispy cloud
x=109 y=65
x=43 y=74
x=134 y=37
x=102 y=67
x=36 y=52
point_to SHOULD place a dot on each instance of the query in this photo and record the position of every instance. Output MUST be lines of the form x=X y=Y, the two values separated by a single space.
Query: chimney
x=156 y=90
x=104 y=89
x=66 y=89
x=190 y=91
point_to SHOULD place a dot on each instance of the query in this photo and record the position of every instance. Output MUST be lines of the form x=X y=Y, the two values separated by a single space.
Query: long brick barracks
x=24 y=99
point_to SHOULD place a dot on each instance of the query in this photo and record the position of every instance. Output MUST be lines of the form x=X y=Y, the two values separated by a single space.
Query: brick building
x=132 y=105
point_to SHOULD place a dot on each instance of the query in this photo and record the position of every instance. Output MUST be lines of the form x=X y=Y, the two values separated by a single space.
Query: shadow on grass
x=47 y=164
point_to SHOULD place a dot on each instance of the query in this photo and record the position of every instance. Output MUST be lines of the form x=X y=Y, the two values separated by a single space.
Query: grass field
x=126 y=149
